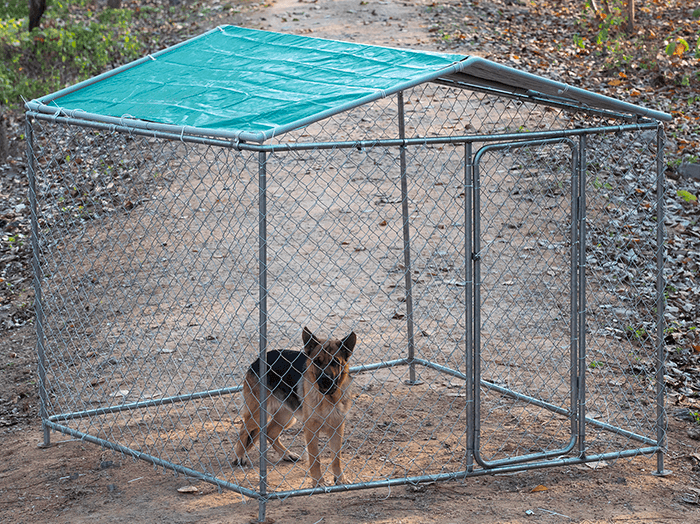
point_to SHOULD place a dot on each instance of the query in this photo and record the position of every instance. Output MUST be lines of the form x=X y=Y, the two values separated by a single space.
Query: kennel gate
x=455 y=256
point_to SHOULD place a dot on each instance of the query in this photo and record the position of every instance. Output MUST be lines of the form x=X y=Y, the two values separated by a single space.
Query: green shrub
x=14 y=9
x=66 y=49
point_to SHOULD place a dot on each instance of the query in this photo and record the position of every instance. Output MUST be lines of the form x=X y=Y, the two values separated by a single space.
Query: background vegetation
x=73 y=43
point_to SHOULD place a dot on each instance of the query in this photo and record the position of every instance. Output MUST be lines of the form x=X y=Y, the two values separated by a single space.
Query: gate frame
x=575 y=272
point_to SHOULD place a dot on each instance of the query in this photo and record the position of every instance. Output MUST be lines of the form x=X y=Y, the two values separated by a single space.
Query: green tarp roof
x=248 y=84
x=253 y=81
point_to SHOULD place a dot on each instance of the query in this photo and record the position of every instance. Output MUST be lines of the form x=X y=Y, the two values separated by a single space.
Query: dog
x=314 y=385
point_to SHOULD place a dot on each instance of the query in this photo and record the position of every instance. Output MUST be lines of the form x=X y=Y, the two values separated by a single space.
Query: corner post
x=36 y=268
x=660 y=306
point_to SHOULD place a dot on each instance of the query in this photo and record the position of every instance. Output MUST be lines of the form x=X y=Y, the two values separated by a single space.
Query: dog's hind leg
x=246 y=438
x=274 y=428
x=251 y=414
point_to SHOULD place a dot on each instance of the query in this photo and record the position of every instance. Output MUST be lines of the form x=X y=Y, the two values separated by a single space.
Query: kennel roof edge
x=251 y=85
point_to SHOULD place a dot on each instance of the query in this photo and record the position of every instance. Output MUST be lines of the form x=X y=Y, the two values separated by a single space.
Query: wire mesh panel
x=497 y=261
x=624 y=293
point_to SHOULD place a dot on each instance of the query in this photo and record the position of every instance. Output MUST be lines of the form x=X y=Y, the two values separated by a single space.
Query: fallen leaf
x=120 y=393
x=188 y=489
x=597 y=465
x=539 y=488
x=690 y=498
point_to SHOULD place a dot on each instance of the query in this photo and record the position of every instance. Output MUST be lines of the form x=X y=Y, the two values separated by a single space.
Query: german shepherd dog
x=312 y=384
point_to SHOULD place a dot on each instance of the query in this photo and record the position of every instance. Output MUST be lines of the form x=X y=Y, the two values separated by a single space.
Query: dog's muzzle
x=327 y=384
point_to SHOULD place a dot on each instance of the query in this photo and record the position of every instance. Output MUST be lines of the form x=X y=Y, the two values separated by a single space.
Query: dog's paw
x=291 y=457
x=241 y=462
x=320 y=483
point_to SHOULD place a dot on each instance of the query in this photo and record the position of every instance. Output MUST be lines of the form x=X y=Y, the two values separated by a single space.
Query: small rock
x=689 y=171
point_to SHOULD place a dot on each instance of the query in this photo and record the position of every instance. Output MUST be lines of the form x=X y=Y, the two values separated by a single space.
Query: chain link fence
x=499 y=260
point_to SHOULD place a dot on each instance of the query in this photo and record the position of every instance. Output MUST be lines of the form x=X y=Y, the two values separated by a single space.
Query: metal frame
x=472 y=378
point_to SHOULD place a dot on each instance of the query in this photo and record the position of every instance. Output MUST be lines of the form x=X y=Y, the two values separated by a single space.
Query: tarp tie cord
x=59 y=113
x=152 y=57
x=562 y=91
x=73 y=111
x=182 y=135
x=125 y=115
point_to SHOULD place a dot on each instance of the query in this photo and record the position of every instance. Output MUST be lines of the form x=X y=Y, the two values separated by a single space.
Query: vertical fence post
x=475 y=260
x=469 y=306
x=576 y=248
x=580 y=303
x=407 y=246
x=262 y=281
x=581 y=306
x=660 y=305
x=36 y=268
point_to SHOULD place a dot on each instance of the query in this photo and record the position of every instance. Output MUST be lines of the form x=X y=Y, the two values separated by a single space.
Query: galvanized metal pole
x=581 y=328
x=262 y=277
x=476 y=268
x=576 y=248
x=469 y=306
x=406 y=246
x=660 y=305
x=36 y=268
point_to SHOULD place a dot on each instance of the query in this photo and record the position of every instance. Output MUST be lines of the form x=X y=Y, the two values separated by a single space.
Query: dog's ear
x=347 y=345
x=310 y=341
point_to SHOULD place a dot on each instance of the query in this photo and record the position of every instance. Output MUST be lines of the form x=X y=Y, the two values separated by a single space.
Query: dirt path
x=77 y=482
x=392 y=24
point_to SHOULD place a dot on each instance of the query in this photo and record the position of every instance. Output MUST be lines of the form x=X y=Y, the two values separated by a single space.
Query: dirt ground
x=73 y=481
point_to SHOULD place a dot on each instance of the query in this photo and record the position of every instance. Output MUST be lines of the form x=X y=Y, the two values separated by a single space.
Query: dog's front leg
x=311 y=436
x=336 y=442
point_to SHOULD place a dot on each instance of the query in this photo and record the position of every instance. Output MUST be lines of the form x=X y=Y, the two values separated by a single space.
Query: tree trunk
x=36 y=11
x=630 y=16
x=4 y=144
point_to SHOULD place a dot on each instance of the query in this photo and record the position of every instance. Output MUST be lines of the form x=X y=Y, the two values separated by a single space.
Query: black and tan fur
x=312 y=385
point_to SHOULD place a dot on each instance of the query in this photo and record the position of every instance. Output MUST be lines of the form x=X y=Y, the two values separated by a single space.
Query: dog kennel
x=494 y=239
